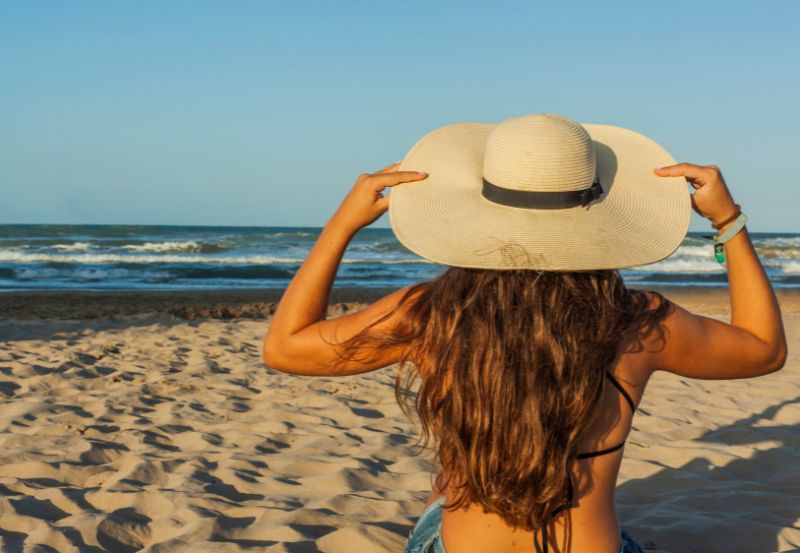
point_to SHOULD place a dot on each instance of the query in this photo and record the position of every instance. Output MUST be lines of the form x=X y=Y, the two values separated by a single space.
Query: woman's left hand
x=366 y=202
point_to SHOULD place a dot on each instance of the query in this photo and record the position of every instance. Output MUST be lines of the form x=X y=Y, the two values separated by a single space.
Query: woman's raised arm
x=299 y=339
x=754 y=342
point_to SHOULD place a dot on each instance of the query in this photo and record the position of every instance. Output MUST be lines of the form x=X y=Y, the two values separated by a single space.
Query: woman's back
x=593 y=525
x=520 y=395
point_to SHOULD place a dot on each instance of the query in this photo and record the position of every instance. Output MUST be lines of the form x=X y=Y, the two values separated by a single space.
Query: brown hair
x=511 y=365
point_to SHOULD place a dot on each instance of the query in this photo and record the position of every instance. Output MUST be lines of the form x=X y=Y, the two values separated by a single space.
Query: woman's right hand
x=711 y=199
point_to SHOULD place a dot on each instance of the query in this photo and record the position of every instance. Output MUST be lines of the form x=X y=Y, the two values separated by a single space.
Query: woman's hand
x=366 y=202
x=712 y=198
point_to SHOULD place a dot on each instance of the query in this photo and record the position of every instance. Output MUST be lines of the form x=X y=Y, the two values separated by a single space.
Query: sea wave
x=791 y=268
x=78 y=274
x=785 y=248
x=15 y=256
x=230 y=273
x=694 y=251
x=291 y=234
x=168 y=257
x=682 y=279
x=100 y=273
x=778 y=242
x=12 y=256
x=684 y=266
x=74 y=247
x=778 y=253
x=174 y=247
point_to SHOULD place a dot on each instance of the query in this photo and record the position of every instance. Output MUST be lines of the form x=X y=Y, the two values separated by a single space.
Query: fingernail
x=422 y=173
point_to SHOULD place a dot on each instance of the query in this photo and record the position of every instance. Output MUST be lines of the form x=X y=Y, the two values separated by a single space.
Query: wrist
x=725 y=216
x=726 y=231
x=338 y=227
x=731 y=229
x=721 y=230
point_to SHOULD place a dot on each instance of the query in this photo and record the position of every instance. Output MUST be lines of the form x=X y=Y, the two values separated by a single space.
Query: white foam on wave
x=678 y=265
x=685 y=260
x=15 y=256
x=778 y=246
x=189 y=247
x=791 y=268
x=104 y=259
x=694 y=251
x=287 y=234
x=778 y=242
x=75 y=247
x=778 y=253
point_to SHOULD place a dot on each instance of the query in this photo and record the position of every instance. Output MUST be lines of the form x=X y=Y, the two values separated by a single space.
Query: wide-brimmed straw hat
x=539 y=192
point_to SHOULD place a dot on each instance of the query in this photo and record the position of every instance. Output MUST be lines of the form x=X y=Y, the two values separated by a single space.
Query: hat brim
x=640 y=219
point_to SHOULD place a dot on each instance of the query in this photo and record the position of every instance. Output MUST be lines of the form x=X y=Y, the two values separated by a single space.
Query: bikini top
x=570 y=495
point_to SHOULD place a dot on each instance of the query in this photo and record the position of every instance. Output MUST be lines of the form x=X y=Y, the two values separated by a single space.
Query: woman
x=531 y=353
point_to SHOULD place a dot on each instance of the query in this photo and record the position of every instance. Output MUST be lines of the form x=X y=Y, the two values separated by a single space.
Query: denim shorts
x=426 y=536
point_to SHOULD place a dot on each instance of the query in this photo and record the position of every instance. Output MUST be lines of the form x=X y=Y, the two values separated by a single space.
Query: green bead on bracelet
x=720 y=239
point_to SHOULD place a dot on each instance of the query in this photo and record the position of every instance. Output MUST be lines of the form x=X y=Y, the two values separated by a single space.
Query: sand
x=144 y=423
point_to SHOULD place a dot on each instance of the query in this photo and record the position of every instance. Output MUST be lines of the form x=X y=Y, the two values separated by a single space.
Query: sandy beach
x=147 y=422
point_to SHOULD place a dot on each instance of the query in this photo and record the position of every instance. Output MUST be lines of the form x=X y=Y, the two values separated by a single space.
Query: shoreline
x=260 y=304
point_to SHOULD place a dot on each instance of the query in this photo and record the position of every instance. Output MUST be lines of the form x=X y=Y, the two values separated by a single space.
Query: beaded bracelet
x=720 y=239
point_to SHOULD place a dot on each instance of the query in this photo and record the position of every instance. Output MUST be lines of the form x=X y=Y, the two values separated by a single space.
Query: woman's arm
x=754 y=342
x=299 y=339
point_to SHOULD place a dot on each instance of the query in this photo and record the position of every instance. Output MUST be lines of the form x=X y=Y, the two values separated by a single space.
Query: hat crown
x=541 y=152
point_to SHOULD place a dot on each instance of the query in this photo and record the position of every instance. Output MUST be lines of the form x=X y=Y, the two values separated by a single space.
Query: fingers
x=382 y=180
x=694 y=203
x=382 y=203
x=687 y=170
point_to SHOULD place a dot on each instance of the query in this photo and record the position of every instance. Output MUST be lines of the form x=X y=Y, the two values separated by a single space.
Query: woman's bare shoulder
x=639 y=349
x=649 y=336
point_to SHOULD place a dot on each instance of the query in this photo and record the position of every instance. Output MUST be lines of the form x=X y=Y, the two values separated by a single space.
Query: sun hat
x=539 y=192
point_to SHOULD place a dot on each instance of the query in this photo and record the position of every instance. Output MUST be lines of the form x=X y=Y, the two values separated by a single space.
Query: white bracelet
x=734 y=229
x=721 y=239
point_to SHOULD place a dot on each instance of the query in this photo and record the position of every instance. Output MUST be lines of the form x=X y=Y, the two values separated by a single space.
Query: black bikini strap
x=601 y=452
x=570 y=499
x=622 y=390
x=568 y=504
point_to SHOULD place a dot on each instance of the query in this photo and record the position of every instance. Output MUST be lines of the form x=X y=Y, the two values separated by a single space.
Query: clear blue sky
x=263 y=113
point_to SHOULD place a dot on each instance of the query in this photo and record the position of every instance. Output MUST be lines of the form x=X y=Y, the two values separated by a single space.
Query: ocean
x=126 y=257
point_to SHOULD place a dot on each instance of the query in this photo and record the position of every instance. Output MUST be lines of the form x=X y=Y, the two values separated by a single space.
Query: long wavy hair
x=510 y=367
